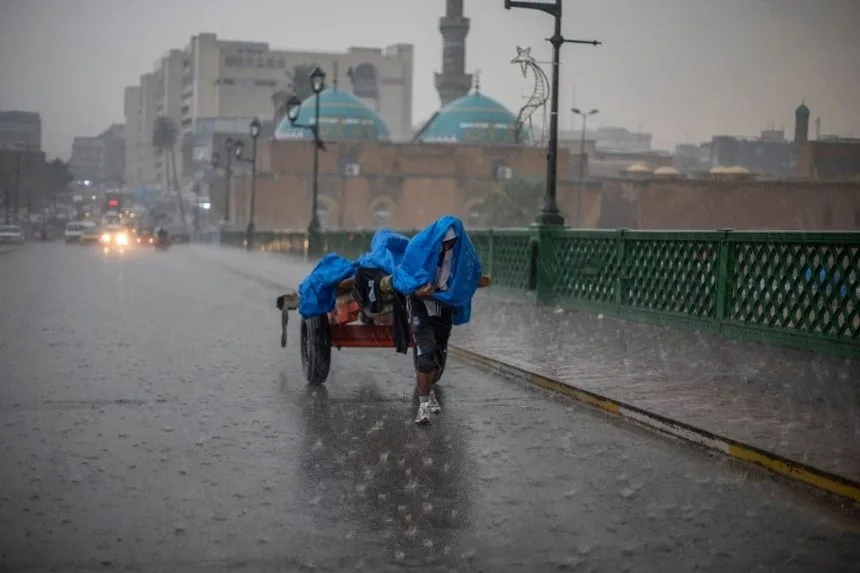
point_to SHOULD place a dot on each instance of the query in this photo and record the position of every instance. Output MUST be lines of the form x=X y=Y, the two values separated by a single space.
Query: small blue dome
x=343 y=117
x=475 y=119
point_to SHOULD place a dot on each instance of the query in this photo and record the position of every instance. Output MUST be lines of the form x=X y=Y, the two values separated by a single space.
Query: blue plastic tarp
x=318 y=292
x=420 y=261
x=412 y=264
x=386 y=251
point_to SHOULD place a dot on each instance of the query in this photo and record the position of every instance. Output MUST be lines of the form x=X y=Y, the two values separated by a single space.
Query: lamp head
x=317 y=80
x=294 y=104
x=255 y=128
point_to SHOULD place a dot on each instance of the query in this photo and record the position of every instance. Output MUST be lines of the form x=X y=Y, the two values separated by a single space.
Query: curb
x=796 y=471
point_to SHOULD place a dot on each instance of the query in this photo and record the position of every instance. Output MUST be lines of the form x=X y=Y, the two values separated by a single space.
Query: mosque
x=464 y=158
x=468 y=150
x=465 y=118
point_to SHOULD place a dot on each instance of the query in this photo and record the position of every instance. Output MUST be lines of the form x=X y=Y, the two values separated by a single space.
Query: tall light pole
x=228 y=173
x=549 y=214
x=582 y=156
x=293 y=108
x=238 y=147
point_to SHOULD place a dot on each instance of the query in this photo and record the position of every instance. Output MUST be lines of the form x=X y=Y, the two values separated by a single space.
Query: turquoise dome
x=343 y=117
x=475 y=119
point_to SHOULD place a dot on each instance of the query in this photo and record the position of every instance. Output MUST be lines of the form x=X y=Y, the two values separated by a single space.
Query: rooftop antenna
x=478 y=81
x=334 y=81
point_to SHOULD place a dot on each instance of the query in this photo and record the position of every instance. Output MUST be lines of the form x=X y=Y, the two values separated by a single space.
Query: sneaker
x=433 y=404
x=423 y=417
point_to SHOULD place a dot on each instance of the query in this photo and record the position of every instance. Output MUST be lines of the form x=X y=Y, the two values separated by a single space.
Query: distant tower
x=453 y=83
x=801 y=124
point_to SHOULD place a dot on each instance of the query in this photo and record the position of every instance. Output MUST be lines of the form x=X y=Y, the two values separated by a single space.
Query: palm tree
x=164 y=137
x=516 y=205
x=300 y=80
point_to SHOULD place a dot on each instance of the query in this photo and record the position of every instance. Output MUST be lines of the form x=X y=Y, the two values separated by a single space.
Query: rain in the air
x=429 y=285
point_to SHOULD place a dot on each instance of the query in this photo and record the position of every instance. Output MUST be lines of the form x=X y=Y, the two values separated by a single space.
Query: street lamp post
x=293 y=108
x=582 y=154
x=238 y=147
x=550 y=214
x=228 y=172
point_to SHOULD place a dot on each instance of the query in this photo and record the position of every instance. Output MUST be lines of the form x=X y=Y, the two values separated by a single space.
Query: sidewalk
x=802 y=406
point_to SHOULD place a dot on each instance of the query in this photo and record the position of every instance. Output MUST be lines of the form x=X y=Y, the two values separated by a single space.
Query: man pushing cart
x=403 y=292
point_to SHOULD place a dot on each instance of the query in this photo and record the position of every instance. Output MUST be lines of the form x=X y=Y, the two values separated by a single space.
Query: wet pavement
x=151 y=422
x=801 y=405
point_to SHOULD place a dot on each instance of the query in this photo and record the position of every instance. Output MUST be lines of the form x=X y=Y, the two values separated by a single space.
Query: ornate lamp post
x=293 y=108
x=585 y=116
x=549 y=214
x=237 y=151
x=228 y=173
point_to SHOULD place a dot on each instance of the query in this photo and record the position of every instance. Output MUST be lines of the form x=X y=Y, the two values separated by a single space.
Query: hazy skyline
x=681 y=69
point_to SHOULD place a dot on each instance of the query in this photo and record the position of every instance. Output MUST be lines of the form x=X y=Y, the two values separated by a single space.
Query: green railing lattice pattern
x=793 y=288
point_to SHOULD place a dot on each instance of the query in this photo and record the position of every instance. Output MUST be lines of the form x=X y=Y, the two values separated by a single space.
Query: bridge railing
x=796 y=289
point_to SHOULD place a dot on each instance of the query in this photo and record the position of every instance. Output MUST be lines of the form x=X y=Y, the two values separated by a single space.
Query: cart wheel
x=444 y=361
x=316 y=349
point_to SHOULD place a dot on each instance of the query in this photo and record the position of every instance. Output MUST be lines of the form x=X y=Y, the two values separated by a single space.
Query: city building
x=215 y=78
x=20 y=130
x=100 y=159
x=766 y=155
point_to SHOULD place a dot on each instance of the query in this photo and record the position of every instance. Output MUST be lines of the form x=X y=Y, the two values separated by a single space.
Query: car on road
x=144 y=237
x=11 y=234
x=114 y=237
x=90 y=236
x=75 y=230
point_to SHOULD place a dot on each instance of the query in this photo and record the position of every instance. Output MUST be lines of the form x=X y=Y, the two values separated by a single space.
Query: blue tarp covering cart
x=332 y=315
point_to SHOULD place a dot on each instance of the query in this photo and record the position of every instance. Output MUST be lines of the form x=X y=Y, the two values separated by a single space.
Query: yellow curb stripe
x=796 y=471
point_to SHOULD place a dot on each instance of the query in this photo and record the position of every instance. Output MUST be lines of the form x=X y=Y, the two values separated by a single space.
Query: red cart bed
x=345 y=327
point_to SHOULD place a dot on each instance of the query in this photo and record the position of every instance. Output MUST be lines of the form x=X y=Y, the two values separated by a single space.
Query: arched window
x=322 y=215
x=381 y=214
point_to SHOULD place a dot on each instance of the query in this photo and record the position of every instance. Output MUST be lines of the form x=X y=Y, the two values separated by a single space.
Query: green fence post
x=490 y=254
x=621 y=271
x=723 y=279
x=546 y=236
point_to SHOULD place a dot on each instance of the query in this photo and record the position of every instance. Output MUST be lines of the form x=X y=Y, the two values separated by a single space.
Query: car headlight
x=121 y=239
x=106 y=238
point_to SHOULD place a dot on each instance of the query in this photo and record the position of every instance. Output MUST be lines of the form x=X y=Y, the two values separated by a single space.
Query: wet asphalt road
x=151 y=422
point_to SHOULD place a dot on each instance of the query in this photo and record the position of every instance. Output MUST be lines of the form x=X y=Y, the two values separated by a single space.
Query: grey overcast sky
x=682 y=69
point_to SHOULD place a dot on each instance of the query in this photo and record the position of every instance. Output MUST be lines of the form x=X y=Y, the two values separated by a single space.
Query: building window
x=381 y=215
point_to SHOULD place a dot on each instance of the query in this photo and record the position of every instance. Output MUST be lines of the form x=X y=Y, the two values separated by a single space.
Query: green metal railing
x=790 y=288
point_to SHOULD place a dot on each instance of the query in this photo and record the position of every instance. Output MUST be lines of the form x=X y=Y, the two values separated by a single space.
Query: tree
x=58 y=178
x=164 y=137
x=516 y=205
x=300 y=80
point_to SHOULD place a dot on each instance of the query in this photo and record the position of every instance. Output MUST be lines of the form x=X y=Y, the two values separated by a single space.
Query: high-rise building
x=215 y=78
x=453 y=83
x=20 y=130
x=133 y=128
x=100 y=159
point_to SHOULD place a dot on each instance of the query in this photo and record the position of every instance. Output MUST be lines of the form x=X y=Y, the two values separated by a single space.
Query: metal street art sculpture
x=536 y=101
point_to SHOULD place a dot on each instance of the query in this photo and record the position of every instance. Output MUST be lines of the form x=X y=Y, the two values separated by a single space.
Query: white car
x=75 y=230
x=11 y=234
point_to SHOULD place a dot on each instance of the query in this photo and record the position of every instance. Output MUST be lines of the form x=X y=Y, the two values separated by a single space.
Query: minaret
x=453 y=83
x=801 y=124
